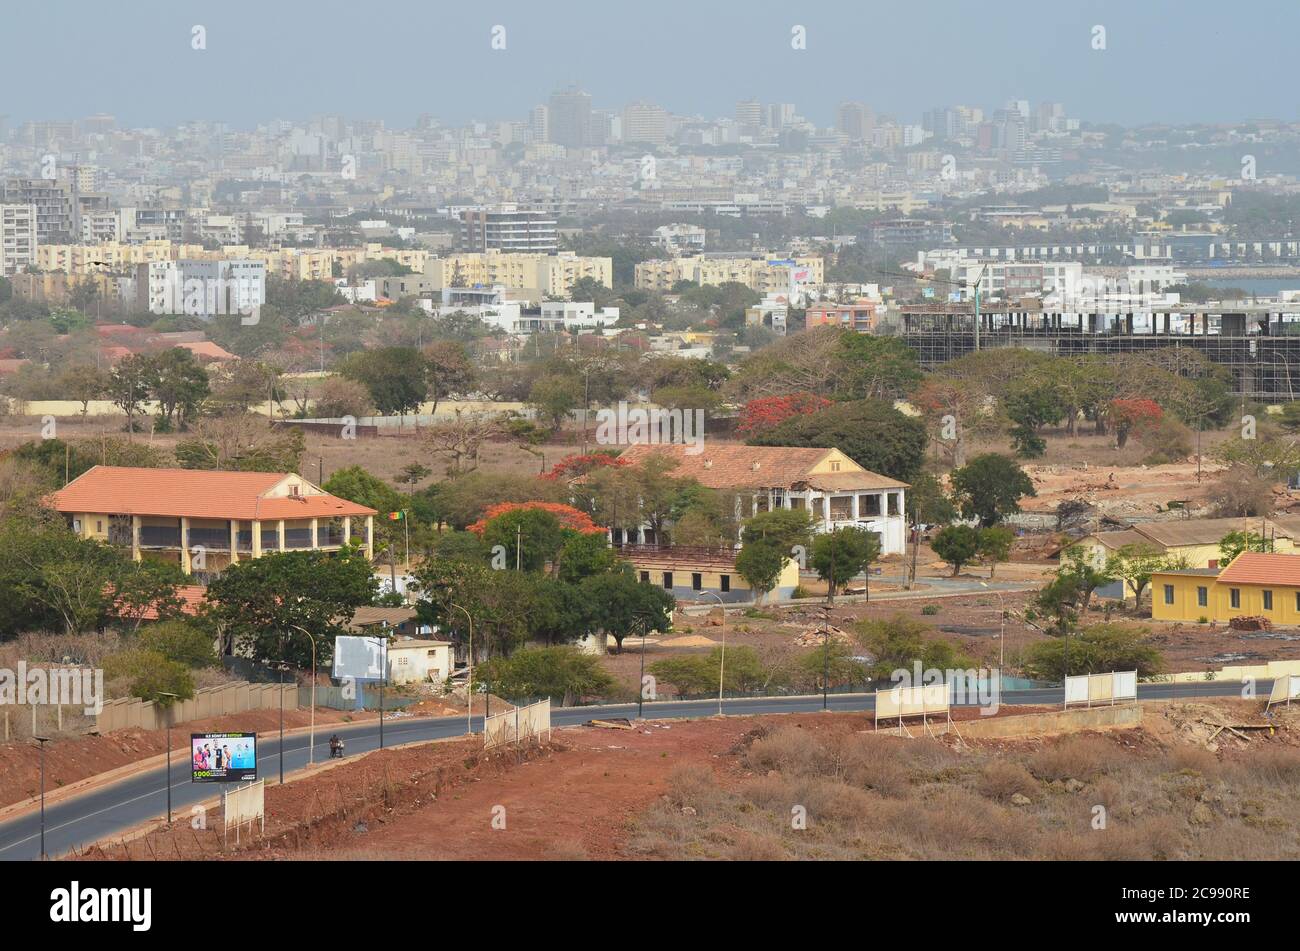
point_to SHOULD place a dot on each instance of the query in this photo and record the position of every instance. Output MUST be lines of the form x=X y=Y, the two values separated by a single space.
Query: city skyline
x=261 y=64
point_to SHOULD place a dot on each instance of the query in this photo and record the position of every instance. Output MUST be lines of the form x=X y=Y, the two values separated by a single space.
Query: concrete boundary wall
x=133 y=713
x=1059 y=721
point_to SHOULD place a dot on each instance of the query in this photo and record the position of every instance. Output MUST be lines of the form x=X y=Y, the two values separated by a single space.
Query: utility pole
x=519 y=547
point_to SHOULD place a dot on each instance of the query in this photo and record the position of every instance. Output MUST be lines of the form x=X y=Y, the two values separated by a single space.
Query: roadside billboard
x=360 y=658
x=223 y=757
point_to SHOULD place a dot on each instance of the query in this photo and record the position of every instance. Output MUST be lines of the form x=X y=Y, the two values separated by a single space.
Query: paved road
x=103 y=813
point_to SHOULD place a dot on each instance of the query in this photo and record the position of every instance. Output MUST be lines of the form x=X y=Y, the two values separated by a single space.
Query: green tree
x=870 y=432
x=564 y=674
x=397 y=378
x=179 y=386
x=617 y=604
x=843 y=554
x=995 y=545
x=760 y=563
x=899 y=643
x=958 y=545
x=990 y=487
x=1098 y=648
x=259 y=604
x=1134 y=565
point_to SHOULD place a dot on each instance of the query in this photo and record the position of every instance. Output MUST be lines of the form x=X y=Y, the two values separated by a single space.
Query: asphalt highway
x=102 y=813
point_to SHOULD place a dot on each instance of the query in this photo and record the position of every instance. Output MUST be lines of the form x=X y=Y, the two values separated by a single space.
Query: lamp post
x=826 y=662
x=640 y=694
x=171 y=711
x=42 y=740
x=311 y=749
x=722 y=663
x=469 y=668
x=282 y=666
x=1002 y=635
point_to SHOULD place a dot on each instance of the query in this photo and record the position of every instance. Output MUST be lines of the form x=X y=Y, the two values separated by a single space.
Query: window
x=1268 y=600
x=697 y=581
x=1234 y=597
x=668 y=580
x=726 y=586
x=1169 y=594
x=1203 y=596
x=1214 y=562
x=645 y=577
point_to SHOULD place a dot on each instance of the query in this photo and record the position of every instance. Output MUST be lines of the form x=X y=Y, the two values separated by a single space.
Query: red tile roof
x=1255 y=567
x=731 y=466
x=193 y=493
x=192 y=597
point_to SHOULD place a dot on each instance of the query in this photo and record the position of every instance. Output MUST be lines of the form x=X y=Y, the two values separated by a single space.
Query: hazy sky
x=1165 y=60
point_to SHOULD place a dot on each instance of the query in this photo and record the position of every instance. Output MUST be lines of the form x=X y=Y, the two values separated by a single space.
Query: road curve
x=98 y=814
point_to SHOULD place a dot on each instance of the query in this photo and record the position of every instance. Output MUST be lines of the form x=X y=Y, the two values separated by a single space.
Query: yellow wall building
x=1255 y=584
x=753 y=271
x=1195 y=540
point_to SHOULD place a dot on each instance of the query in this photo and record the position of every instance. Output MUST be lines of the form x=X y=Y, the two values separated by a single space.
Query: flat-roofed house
x=832 y=487
x=203 y=521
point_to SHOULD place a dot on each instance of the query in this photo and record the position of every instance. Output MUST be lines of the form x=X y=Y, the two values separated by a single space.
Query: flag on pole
x=396 y=516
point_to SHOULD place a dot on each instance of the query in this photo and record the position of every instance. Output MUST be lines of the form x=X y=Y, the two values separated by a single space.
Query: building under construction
x=1258 y=343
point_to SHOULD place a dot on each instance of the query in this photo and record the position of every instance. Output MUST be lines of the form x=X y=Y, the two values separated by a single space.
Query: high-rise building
x=569 y=119
x=539 y=125
x=855 y=120
x=55 y=206
x=510 y=229
x=749 y=114
x=644 y=122
x=17 y=238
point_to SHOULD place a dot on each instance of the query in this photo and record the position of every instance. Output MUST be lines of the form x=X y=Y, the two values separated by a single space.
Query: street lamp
x=311 y=749
x=469 y=678
x=826 y=661
x=42 y=740
x=1002 y=636
x=171 y=710
x=640 y=694
x=722 y=663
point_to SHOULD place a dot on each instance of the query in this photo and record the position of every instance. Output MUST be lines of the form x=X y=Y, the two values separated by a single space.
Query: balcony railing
x=213 y=539
x=297 y=537
x=158 y=536
x=329 y=537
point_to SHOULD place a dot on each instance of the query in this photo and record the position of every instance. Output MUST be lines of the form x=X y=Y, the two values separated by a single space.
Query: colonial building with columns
x=203 y=521
x=834 y=489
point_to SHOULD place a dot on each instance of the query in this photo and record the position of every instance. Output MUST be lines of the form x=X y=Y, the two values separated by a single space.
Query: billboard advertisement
x=223 y=757
x=360 y=658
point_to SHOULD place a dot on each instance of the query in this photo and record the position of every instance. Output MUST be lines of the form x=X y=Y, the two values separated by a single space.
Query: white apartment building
x=17 y=238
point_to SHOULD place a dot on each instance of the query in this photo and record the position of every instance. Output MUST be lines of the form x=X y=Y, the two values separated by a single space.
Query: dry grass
x=863 y=796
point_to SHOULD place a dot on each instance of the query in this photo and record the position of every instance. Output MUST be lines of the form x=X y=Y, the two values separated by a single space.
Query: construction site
x=1257 y=343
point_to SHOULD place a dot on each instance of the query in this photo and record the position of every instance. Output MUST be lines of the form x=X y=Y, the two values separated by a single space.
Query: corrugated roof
x=1200 y=531
x=731 y=466
x=1257 y=567
x=193 y=493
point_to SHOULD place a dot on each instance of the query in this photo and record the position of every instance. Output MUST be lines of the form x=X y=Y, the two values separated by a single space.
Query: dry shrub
x=831 y=801
x=789 y=750
x=1076 y=757
x=766 y=792
x=693 y=785
x=955 y=823
x=1274 y=766
x=1192 y=759
x=1002 y=779
x=750 y=846
x=1150 y=837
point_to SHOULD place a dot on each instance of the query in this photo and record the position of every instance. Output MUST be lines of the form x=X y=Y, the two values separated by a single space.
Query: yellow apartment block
x=1255 y=584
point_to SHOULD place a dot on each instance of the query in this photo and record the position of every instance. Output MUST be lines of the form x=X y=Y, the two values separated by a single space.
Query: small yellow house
x=692 y=573
x=1255 y=584
x=1195 y=540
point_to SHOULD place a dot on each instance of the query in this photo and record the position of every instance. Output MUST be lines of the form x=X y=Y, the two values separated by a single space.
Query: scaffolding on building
x=1259 y=344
